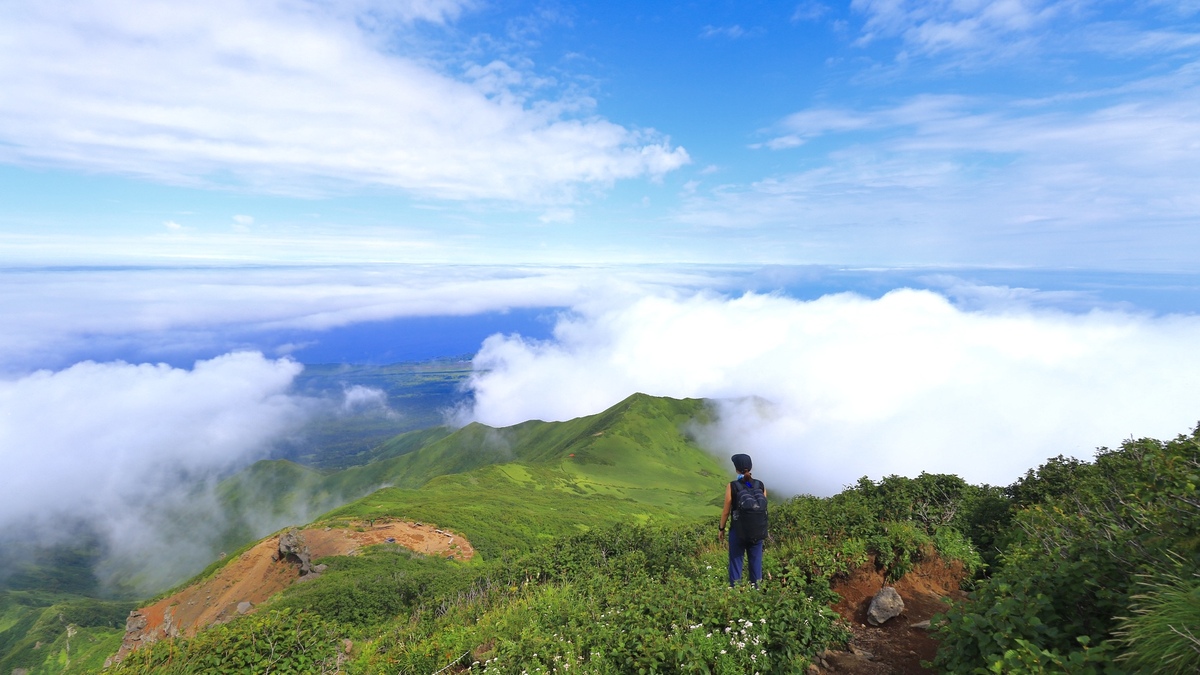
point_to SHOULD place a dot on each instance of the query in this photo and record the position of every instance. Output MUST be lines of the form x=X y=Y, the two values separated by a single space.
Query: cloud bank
x=298 y=97
x=125 y=448
x=825 y=391
x=52 y=313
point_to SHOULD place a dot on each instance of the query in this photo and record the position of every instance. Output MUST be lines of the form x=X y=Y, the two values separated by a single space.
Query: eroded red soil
x=257 y=574
x=898 y=646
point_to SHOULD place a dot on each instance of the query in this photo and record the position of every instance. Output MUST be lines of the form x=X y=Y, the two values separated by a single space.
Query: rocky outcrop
x=885 y=605
x=292 y=549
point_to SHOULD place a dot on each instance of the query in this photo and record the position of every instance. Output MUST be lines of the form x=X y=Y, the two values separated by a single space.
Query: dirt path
x=259 y=573
x=898 y=646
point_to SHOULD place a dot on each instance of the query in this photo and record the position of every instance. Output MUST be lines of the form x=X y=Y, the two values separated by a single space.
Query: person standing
x=746 y=503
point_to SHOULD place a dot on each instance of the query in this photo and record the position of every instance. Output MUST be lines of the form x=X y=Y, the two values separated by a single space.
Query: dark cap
x=742 y=463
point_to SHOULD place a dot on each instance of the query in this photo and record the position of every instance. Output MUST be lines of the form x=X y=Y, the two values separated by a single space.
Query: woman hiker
x=746 y=501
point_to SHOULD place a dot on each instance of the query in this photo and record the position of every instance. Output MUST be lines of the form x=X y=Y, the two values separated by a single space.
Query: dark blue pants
x=738 y=550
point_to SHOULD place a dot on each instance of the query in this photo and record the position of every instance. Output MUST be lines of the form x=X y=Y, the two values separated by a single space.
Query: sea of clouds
x=822 y=392
x=984 y=384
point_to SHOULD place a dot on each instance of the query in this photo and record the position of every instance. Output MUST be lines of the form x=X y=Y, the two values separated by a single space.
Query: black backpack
x=749 y=511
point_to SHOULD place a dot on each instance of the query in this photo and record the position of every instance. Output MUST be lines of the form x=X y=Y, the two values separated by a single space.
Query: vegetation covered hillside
x=599 y=555
x=617 y=466
x=1092 y=569
x=623 y=463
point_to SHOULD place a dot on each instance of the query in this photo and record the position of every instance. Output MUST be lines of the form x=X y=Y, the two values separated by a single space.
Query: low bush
x=1073 y=554
x=283 y=642
x=621 y=620
x=375 y=588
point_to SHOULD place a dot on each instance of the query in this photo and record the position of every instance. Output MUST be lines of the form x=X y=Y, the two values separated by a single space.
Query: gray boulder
x=885 y=605
x=291 y=547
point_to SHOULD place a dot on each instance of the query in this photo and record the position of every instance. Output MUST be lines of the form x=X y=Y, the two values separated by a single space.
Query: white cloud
x=243 y=219
x=972 y=33
x=294 y=97
x=50 y=313
x=933 y=26
x=1101 y=179
x=731 y=32
x=118 y=445
x=557 y=216
x=809 y=11
x=100 y=432
x=358 y=398
x=848 y=386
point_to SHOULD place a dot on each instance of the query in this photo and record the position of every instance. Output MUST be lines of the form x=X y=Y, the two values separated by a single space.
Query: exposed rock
x=850 y=662
x=136 y=622
x=922 y=624
x=862 y=653
x=291 y=546
x=169 y=628
x=885 y=605
x=244 y=606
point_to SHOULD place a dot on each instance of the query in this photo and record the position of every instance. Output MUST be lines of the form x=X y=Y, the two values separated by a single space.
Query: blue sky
x=943 y=235
x=1025 y=133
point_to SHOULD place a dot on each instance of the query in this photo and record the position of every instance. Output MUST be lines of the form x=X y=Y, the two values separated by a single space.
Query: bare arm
x=725 y=511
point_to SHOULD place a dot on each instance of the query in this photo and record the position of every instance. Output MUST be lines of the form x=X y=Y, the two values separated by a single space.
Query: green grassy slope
x=507 y=490
x=630 y=461
x=1094 y=563
x=512 y=487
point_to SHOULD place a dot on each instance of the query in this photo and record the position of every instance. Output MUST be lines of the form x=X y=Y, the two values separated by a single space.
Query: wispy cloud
x=54 y=317
x=809 y=11
x=1023 y=28
x=731 y=32
x=985 y=179
x=301 y=98
x=943 y=25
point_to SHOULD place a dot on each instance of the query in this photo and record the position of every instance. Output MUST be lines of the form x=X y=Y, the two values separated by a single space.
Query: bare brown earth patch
x=259 y=573
x=899 y=645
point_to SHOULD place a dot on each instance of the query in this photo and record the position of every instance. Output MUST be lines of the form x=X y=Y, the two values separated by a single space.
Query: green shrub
x=898 y=546
x=1072 y=555
x=282 y=642
x=627 y=622
x=377 y=587
x=952 y=545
